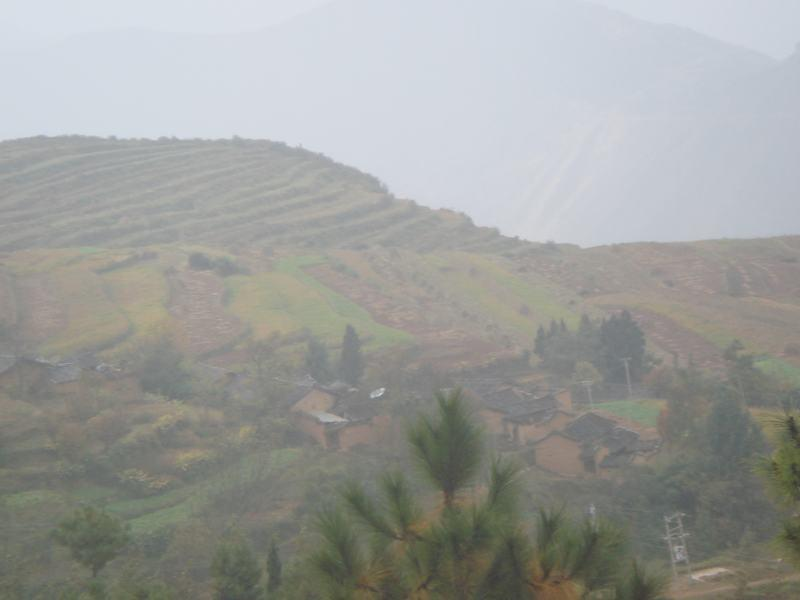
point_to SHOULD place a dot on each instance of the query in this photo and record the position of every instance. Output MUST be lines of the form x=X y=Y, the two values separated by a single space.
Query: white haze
x=547 y=118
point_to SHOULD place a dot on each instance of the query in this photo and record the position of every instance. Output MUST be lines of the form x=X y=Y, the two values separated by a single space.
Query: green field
x=644 y=412
x=288 y=299
x=781 y=369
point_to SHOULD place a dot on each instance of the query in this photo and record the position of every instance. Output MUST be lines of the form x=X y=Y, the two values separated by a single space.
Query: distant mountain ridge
x=548 y=118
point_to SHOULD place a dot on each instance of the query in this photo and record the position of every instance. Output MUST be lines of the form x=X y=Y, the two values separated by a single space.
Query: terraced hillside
x=77 y=191
x=98 y=233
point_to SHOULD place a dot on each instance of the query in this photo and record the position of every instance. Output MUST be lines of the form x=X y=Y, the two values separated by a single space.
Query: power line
x=676 y=543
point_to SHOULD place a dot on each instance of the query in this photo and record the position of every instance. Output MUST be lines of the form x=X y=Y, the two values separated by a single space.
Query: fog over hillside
x=549 y=118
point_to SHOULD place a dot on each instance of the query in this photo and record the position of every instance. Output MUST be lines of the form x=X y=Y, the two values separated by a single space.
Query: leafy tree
x=317 y=361
x=707 y=474
x=753 y=386
x=200 y=262
x=235 y=572
x=781 y=472
x=394 y=546
x=93 y=537
x=161 y=369
x=351 y=365
x=731 y=434
x=688 y=394
x=621 y=337
x=274 y=569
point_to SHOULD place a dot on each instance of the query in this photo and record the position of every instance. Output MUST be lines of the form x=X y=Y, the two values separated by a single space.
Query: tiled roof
x=589 y=427
x=64 y=373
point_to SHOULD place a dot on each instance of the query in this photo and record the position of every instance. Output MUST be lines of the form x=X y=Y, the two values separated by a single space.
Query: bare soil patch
x=41 y=315
x=196 y=302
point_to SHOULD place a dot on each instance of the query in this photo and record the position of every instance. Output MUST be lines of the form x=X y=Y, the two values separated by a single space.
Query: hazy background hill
x=549 y=119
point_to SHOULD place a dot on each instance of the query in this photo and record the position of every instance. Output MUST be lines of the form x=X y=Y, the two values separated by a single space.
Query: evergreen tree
x=586 y=328
x=317 y=361
x=274 y=569
x=621 y=337
x=540 y=344
x=351 y=365
x=554 y=329
x=731 y=434
x=92 y=537
x=448 y=450
x=235 y=572
x=395 y=547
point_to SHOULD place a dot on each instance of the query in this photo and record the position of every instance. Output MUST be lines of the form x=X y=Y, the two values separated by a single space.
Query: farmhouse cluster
x=560 y=438
x=547 y=428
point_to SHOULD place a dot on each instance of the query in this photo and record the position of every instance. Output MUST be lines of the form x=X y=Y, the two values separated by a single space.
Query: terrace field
x=97 y=234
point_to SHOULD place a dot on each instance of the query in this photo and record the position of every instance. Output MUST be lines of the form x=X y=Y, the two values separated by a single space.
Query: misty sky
x=771 y=26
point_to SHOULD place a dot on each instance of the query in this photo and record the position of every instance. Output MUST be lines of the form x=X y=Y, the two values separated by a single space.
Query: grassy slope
x=401 y=268
x=289 y=299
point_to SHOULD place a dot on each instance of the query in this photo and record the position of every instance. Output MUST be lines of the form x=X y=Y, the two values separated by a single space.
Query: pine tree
x=586 y=327
x=781 y=471
x=351 y=366
x=539 y=345
x=554 y=329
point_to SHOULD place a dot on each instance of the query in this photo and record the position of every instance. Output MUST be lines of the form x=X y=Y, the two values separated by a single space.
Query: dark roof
x=539 y=416
x=622 y=440
x=514 y=402
x=64 y=373
x=617 y=460
x=590 y=427
x=359 y=412
x=296 y=394
x=645 y=446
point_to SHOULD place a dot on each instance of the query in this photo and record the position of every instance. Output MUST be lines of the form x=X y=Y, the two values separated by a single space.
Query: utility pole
x=625 y=362
x=676 y=542
x=588 y=385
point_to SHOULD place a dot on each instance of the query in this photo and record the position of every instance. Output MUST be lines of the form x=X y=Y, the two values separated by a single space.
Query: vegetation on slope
x=76 y=191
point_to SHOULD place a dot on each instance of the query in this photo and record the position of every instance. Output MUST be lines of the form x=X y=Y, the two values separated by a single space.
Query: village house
x=337 y=417
x=591 y=444
x=519 y=415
